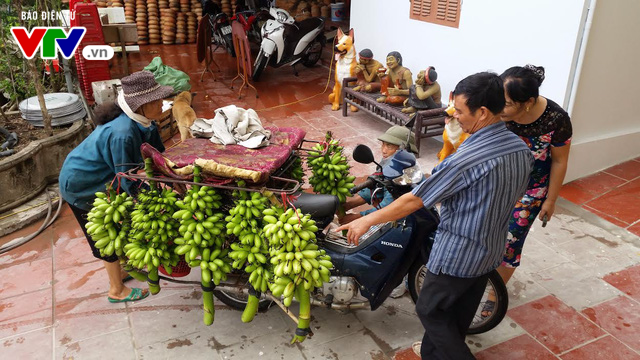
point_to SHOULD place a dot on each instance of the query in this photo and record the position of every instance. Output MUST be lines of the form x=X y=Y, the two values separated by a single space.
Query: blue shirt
x=477 y=187
x=96 y=161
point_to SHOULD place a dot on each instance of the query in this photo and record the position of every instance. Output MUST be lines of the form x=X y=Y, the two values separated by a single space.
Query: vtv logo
x=48 y=39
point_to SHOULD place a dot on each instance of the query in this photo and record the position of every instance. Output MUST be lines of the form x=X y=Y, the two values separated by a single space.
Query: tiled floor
x=576 y=296
x=613 y=194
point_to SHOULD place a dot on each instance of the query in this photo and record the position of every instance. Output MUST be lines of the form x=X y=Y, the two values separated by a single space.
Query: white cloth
x=233 y=125
x=140 y=119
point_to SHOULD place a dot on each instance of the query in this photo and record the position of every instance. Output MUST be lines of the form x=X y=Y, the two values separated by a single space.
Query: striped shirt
x=477 y=187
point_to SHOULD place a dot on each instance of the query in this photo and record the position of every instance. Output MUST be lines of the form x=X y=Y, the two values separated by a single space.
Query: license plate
x=226 y=30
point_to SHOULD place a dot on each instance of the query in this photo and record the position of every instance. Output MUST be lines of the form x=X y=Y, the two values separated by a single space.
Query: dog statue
x=453 y=135
x=345 y=66
x=183 y=114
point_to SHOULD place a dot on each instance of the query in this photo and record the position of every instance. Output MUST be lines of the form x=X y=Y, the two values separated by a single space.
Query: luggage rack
x=132 y=174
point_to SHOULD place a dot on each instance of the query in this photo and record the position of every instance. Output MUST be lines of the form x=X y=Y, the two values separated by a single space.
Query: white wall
x=605 y=119
x=493 y=35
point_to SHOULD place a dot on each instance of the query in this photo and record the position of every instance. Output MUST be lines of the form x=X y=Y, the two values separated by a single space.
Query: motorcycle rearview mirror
x=363 y=154
x=401 y=160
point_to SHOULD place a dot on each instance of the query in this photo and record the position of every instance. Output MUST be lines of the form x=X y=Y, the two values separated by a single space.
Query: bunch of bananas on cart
x=296 y=171
x=250 y=251
x=202 y=238
x=109 y=222
x=330 y=169
x=299 y=265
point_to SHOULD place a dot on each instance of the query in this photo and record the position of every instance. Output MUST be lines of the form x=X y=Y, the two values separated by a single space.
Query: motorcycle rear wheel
x=479 y=324
x=315 y=52
x=228 y=44
x=259 y=66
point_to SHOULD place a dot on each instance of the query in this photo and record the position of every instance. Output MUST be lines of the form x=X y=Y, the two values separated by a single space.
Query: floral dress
x=551 y=129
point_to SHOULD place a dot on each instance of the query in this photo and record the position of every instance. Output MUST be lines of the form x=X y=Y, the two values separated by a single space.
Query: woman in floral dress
x=546 y=128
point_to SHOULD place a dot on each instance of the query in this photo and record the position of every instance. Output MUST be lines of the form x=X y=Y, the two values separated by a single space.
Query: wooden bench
x=427 y=123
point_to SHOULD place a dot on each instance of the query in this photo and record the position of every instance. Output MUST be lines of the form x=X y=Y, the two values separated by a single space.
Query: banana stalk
x=148 y=169
x=304 y=316
x=207 y=302
x=153 y=280
x=135 y=274
x=252 y=306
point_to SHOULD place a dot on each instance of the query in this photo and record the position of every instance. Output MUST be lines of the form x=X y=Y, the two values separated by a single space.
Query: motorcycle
x=220 y=26
x=365 y=274
x=250 y=21
x=285 y=41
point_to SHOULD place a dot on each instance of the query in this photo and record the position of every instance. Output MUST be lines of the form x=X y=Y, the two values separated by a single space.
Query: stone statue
x=368 y=72
x=396 y=83
x=425 y=93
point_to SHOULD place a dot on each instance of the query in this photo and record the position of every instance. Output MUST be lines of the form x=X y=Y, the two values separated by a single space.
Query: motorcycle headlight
x=410 y=176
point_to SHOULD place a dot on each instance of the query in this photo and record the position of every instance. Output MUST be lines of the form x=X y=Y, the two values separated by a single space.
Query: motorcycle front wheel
x=479 y=324
x=259 y=66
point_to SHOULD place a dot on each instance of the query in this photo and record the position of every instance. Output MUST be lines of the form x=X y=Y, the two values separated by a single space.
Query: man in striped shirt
x=477 y=187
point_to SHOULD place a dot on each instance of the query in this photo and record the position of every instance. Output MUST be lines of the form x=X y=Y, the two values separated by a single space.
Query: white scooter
x=285 y=41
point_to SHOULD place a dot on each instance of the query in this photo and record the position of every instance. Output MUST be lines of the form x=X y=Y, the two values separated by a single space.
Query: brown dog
x=183 y=114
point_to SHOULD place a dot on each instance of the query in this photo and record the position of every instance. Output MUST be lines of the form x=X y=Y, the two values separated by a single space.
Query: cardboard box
x=167 y=126
x=113 y=35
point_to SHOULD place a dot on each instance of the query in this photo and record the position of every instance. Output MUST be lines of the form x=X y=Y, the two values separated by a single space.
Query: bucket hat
x=141 y=88
x=398 y=135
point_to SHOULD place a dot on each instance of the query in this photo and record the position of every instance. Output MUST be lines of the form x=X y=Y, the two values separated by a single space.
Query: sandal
x=135 y=295
x=487 y=309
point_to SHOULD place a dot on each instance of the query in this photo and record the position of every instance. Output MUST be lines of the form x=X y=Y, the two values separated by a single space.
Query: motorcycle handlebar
x=366 y=184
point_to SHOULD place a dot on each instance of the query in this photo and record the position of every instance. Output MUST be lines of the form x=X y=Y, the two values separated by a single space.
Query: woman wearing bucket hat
x=394 y=139
x=110 y=149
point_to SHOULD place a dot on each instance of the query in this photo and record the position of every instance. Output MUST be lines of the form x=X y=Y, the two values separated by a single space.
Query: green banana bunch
x=152 y=226
x=330 y=169
x=245 y=222
x=109 y=222
x=296 y=171
x=202 y=238
x=295 y=256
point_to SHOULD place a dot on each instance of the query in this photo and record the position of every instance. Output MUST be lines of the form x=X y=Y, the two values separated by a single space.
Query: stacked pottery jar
x=141 y=21
x=196 y=8
x=181 y=29
x=192 y=27
x=226 y=7
x=130 y=11
x=117 y=3
x=185 y=6
x=168 y=18
x=153 y=12
x=101 y=3
x=174 y=5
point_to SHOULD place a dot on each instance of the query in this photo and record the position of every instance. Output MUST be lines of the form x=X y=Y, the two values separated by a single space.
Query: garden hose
x=47 y=222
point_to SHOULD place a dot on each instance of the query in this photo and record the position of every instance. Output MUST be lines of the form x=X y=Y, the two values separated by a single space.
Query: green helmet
x=398 y=135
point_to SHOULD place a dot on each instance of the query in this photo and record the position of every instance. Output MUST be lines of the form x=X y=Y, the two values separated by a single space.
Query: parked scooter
x=364 y=275
x=220 y=26
x=285 y=41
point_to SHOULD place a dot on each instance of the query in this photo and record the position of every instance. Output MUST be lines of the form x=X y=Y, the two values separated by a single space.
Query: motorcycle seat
x=318 y=205
x=309 y=24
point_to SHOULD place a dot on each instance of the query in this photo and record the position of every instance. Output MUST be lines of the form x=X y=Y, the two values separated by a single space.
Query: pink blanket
x=265 y=160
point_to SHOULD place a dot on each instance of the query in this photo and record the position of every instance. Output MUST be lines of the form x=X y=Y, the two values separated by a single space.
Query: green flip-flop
x=135 y=295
